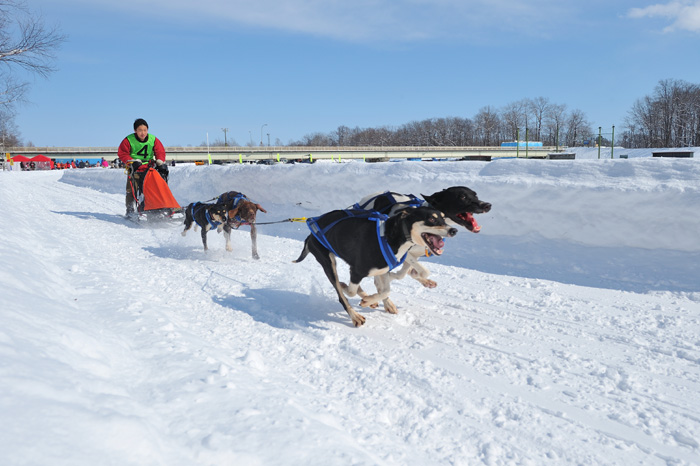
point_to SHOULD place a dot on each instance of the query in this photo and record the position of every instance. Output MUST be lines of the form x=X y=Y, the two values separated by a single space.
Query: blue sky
x=303 y=66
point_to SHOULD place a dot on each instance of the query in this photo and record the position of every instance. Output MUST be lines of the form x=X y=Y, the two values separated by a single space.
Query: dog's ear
x=233 y=213
x=260 y=208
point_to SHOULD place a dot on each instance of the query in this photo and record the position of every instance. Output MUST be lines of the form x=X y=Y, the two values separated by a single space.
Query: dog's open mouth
x=434 y=243
x=469 y=222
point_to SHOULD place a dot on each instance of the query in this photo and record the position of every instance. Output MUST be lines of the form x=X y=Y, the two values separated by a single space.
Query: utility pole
x=612 y=143
x=225 y=130
x=261 y=133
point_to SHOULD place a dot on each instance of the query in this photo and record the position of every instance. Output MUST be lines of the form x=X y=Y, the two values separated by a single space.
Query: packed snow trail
x=130 y=345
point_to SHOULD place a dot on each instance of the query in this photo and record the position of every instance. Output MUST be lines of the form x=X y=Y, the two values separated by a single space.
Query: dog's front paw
x=229 y=248
x=256 y=257
x=427 y=283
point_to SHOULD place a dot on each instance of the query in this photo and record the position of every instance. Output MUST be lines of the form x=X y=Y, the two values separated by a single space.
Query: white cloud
x=684 y=15
x=367 y=20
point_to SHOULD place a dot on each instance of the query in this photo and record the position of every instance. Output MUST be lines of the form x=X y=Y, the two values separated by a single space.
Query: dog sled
x=154 y=200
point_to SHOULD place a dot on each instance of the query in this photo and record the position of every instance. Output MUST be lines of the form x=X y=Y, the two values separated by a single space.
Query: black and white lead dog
x=206 y=216
x=371 y=244
x=457 y=203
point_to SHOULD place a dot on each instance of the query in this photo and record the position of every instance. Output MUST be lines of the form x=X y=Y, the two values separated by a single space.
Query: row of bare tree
x=670 y=117
x=532 y=119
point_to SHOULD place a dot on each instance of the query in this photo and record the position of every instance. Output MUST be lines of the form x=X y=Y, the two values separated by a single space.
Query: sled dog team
x=382 y=232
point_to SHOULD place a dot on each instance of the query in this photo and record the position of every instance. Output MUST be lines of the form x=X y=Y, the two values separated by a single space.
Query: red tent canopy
x=20 y=158
x=43 y=160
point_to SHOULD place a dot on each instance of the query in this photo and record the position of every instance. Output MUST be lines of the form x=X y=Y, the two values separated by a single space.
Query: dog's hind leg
x=254 y=240
x=187 y=227
x=327 y=261
x=204 y=238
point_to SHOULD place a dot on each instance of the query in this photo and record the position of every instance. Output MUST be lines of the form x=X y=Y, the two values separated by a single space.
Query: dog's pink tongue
x=469 y=218
x=437 y=243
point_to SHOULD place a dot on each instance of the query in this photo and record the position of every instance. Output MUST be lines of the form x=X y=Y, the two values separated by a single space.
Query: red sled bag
x=156 y=193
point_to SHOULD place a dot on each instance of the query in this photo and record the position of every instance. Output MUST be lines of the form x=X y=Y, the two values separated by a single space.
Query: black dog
x=353 y=236
x=240 y=211
x=458 y=203
x=206 y=216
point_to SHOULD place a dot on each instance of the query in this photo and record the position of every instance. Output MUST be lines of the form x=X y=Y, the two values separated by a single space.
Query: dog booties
x=320 y=233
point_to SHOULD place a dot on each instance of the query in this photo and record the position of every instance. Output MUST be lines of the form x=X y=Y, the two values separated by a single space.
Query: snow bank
x=565 y=333
x=640 y=203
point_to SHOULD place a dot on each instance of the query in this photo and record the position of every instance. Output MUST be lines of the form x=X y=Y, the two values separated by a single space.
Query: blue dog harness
x=223 y=199
x=412 y=202
x=379 y=218
x=199 y=206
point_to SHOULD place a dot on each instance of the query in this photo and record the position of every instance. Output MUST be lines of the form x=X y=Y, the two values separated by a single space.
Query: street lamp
x=225 y=130
x=261 y=133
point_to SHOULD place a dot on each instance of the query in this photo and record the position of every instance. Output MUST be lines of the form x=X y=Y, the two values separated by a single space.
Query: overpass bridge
x=298 y=153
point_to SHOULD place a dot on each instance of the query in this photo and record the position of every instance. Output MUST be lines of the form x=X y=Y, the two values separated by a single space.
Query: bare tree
x=488 y=124
x=25 y=43
x=514 y=116
x=538 y=108
x=668 y=118
x=577 y=127
x=9 y=134
x=25 y=40
x=554 y=123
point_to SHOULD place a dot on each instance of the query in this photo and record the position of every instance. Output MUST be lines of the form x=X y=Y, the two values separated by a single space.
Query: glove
x=163 y=171
x=159 y=162
x=135 y=166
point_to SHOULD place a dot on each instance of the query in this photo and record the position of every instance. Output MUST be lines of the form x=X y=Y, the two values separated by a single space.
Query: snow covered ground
x=566 y=332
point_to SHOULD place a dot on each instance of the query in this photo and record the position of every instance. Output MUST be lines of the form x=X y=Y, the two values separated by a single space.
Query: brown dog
x=241 y=211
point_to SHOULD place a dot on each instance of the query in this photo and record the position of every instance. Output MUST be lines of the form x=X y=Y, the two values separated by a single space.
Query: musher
x=139 y=151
